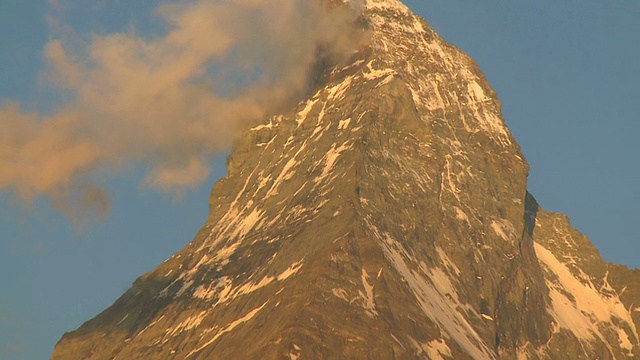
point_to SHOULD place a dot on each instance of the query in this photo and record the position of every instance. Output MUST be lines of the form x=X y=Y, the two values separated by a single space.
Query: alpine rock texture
x=386 y=216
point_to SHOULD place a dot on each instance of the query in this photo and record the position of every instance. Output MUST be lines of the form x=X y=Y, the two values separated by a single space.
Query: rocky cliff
x=386 y=216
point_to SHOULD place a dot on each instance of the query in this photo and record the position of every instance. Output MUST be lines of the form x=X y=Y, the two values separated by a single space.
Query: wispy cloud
x=168 y=102
x=9 y=345
x=13 y=349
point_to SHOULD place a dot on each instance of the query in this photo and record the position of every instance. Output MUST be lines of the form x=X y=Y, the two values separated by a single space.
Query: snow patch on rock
x=367 y=296
x=435 y=304
x=585 y=310
x=250 y=315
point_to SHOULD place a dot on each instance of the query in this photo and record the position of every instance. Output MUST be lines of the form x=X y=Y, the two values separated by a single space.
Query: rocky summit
x=385 y=216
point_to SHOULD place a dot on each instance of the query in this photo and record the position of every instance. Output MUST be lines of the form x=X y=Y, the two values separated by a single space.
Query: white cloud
x=169 y=102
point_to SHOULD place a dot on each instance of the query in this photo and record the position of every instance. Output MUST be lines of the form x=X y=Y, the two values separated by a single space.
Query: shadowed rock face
x=384 y=217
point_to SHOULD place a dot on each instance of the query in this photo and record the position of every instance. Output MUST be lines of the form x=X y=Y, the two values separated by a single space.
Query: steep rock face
x=593 y=314
x=386 y=216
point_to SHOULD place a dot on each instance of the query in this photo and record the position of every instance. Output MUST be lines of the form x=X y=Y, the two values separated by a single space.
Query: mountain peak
x=384 y=216
x=393 y=5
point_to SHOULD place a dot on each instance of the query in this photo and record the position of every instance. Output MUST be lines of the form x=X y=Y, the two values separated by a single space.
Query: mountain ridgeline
x=386 y=216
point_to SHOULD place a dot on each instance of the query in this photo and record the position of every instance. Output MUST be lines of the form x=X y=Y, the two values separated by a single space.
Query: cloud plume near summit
x=168 y=102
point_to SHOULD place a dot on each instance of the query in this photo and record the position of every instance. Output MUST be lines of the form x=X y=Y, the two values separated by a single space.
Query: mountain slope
x=386 y=216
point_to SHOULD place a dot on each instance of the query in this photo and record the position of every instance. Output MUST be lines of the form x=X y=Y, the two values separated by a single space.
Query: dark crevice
x=530 y=213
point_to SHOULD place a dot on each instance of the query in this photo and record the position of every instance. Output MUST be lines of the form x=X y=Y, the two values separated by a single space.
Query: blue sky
x=567 y=75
